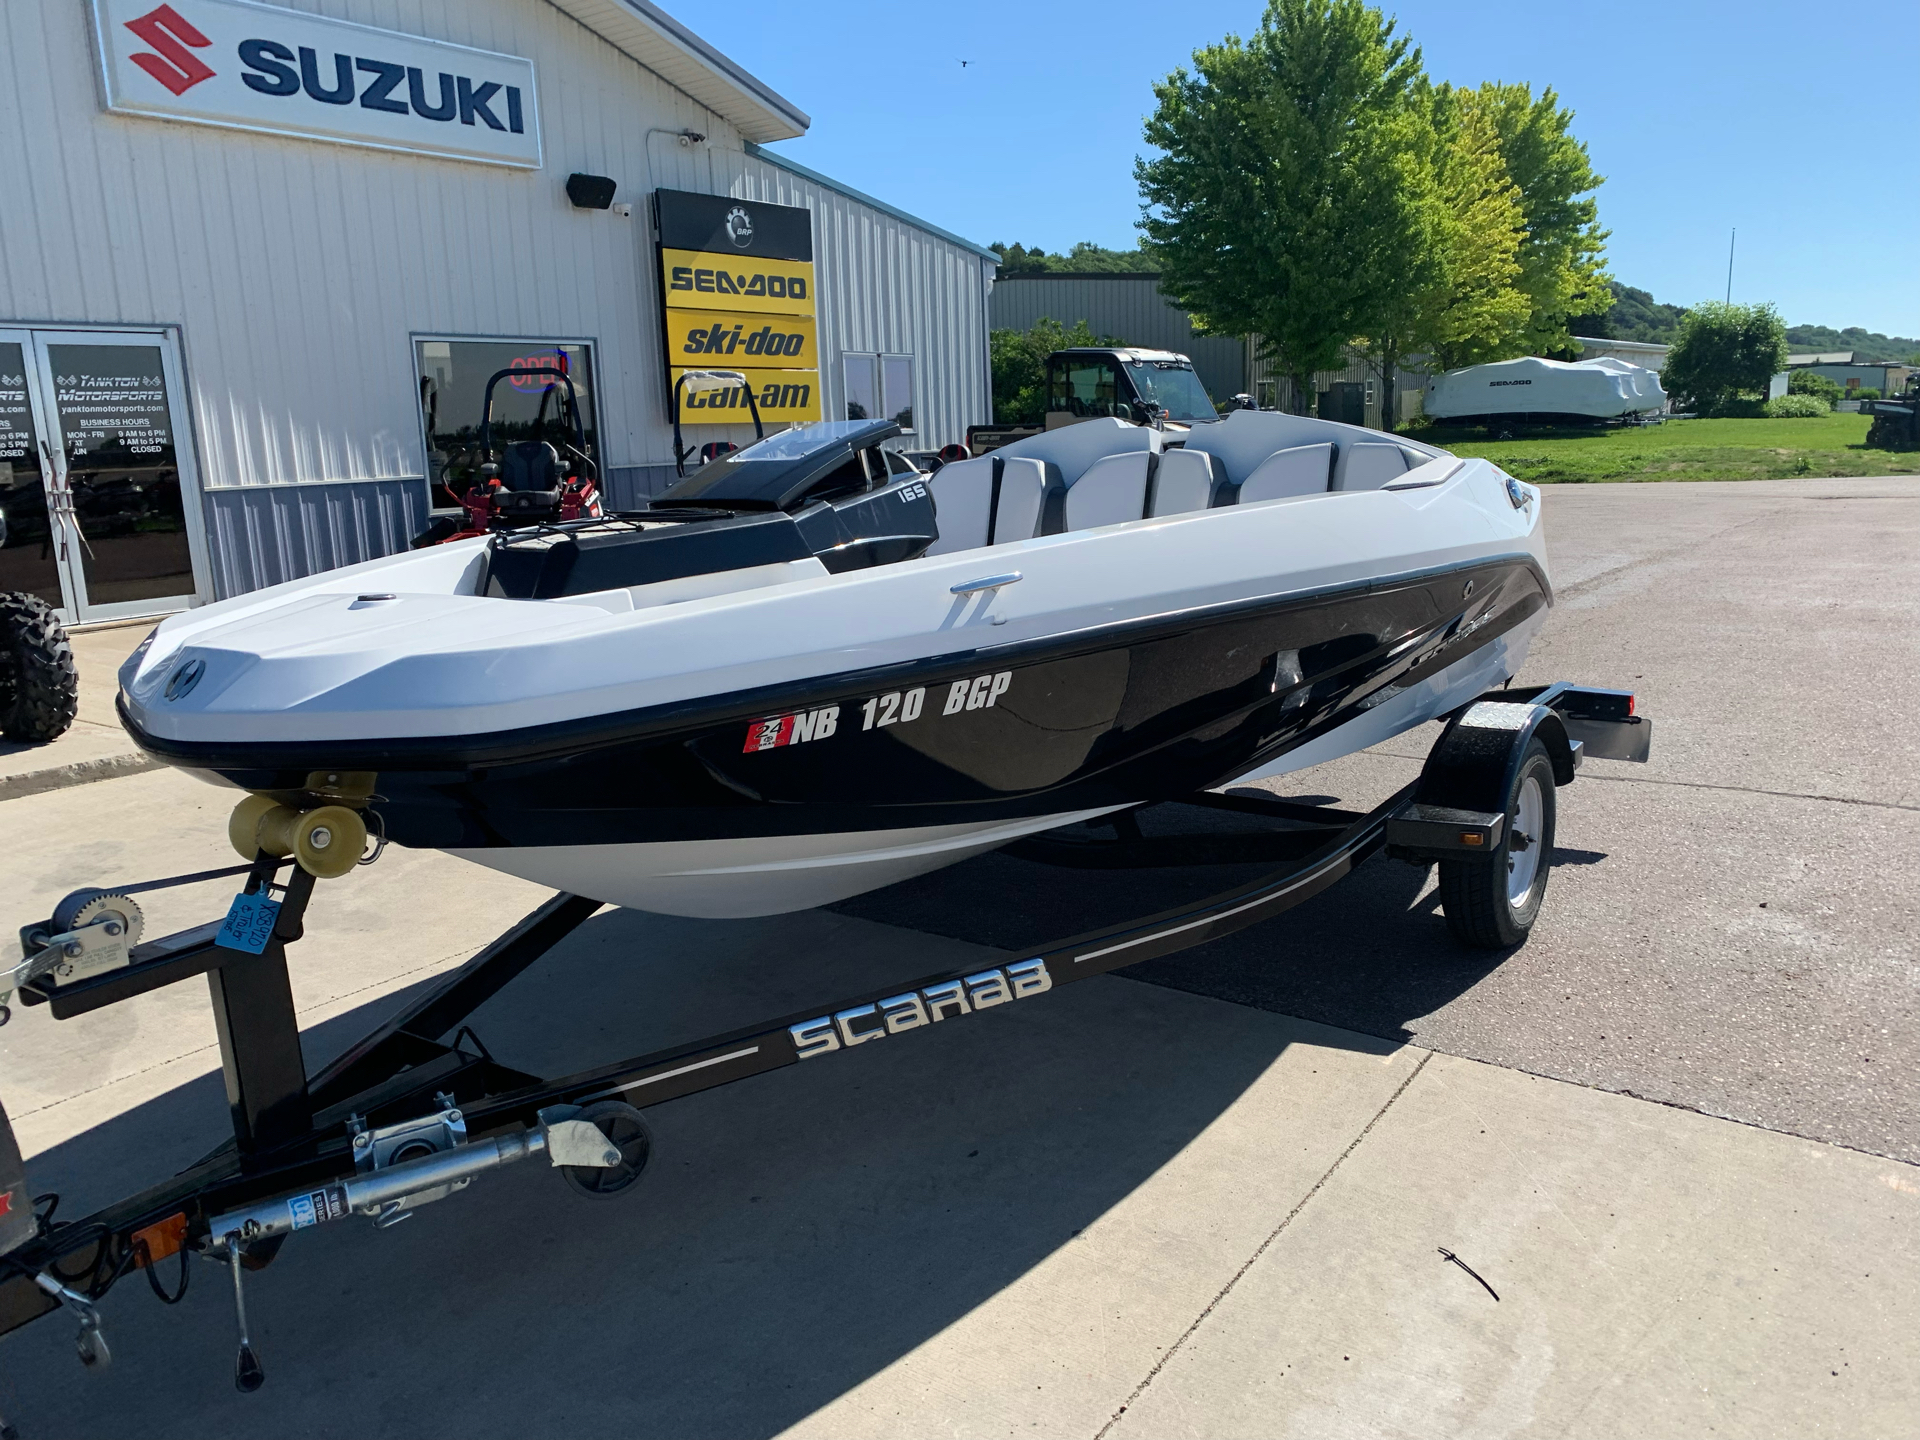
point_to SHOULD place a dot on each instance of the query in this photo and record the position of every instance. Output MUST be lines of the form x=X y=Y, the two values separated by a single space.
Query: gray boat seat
x=1187 y=480
x=1111 y=491
x=1075 y=449
x=1368 y=465
x=1287 y=474
x=964 y=502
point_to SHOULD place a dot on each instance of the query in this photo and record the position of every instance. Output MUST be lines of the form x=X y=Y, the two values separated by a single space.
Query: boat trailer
x=417 y=1109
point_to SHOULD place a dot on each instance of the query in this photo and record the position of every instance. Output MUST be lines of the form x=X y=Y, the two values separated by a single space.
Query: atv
x=39 y=687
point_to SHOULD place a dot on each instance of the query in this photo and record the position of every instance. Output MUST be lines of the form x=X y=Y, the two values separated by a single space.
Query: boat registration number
x=976 y=692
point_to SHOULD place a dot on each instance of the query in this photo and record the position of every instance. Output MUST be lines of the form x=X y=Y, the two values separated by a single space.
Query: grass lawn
x=1686 y=450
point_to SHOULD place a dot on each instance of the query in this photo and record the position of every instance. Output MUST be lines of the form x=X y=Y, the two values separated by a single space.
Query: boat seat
x=1186 y=480
x=1075 y=449
x=1112 y=491
x=1368 y=465
x=993 y=500
x=1286 y=475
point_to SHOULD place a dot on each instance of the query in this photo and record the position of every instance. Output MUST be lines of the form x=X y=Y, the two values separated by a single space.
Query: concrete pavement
x=1134 y=1209
x=95 y=748
x=1731 y=927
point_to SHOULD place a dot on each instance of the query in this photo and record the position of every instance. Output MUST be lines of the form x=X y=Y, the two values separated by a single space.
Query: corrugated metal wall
x=1130 y=307
x=299 y=271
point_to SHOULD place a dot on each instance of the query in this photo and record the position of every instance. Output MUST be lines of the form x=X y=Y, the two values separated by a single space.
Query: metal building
x=257 y=258
x=1129 y=308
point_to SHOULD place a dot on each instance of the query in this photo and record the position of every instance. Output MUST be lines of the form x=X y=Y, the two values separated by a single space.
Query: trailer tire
x=623 y=1125
x=1491 y=904
x=39 y=687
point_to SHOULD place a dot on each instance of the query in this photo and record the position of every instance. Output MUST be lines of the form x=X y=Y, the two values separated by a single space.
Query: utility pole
x=1730 y=239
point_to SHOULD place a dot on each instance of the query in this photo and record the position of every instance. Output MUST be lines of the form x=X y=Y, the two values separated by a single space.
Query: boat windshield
x=801 y=441
x=1174 y=385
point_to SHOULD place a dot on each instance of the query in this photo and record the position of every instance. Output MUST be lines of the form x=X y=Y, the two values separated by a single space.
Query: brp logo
x=185 y=678
x=175 y=67
x=739 y=228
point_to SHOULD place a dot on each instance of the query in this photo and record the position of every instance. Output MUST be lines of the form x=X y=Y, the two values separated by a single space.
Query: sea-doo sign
x=243 y=66
x=736 y=284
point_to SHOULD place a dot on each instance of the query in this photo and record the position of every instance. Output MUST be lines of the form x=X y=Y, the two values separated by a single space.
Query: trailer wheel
x=623 y=1125
x=39 y=688
x=1491 y=904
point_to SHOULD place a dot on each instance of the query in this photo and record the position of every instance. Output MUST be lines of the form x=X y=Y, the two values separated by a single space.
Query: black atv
x=39 y=687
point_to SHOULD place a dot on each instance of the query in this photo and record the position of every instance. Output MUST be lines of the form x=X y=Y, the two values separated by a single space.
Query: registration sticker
x=795 y=729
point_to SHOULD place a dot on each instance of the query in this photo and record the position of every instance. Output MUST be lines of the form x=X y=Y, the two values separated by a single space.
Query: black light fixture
x=590 y=192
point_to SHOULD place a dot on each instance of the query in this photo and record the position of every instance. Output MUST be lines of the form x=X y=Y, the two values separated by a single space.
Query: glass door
x=30 y=535
x=117 y=471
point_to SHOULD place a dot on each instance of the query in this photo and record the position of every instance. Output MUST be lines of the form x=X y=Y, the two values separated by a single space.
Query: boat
x=1531 y=388
x=809 y=670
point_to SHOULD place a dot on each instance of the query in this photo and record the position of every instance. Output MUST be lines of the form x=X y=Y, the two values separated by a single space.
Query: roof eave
x=656 y=40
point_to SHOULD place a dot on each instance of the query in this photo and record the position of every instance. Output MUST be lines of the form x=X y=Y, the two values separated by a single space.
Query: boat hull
x=809 y=794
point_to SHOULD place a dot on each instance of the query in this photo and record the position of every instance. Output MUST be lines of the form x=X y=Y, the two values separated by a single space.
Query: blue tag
x=249 y=923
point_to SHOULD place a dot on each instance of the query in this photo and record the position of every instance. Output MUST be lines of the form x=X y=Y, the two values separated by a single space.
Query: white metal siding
x=298 y=271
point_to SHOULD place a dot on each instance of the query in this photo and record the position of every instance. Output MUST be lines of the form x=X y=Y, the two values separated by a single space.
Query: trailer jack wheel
x=623 y=1125
x=1491 y=904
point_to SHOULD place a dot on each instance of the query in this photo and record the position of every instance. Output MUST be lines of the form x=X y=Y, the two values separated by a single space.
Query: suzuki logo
x=175 y=67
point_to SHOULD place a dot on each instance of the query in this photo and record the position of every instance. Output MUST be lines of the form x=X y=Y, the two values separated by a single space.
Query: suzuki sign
x=258 y=67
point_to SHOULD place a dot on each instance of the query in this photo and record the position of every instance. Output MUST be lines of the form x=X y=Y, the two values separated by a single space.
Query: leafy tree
x=1867 y=345
x=1086 y=258
x=1726 y=354
x=1019 y=360
x=1806 y=382
x=1471 y=309
x=1563 y=258
x=1286 y=202
x=1636 y=315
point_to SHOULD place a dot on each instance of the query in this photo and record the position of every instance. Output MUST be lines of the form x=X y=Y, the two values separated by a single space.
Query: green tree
x=1019 y=360
x=1563 y=257
x=1285 y=203
x=1086 y=258
x=1726 y=354
x=1471 y=309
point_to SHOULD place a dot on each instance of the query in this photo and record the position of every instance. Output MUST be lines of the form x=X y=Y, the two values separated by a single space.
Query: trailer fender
x=1473 y=764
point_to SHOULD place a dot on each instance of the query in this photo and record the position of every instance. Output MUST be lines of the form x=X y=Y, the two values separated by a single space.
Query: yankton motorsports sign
x=736 y=283
x=258 y=67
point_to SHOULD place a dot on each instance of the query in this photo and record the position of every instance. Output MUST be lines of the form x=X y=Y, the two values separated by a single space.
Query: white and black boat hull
x=896 y=726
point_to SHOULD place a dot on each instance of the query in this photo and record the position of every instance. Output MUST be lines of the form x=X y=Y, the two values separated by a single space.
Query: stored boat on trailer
x=810 y=670
x=787 y=684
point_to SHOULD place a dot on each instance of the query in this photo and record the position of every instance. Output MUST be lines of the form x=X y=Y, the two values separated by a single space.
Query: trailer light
x=159 y=1240
x=1470 y=837
x=1630 y=702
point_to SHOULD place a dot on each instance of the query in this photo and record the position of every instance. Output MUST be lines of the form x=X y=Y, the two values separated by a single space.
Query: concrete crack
x=1261 y=1249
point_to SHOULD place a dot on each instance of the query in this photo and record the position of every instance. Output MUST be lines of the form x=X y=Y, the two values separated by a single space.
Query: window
x=1086 y=386
x=880 y=387
x=1164 y=382
x=1267 y=394
x=453 y=377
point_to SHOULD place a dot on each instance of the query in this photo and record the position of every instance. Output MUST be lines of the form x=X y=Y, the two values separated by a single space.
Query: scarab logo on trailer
x=245 y=66
x=739 y=227
x=855 y=1026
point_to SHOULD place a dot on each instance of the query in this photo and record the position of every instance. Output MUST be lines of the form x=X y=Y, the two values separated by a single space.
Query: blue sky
x=1785 y=121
